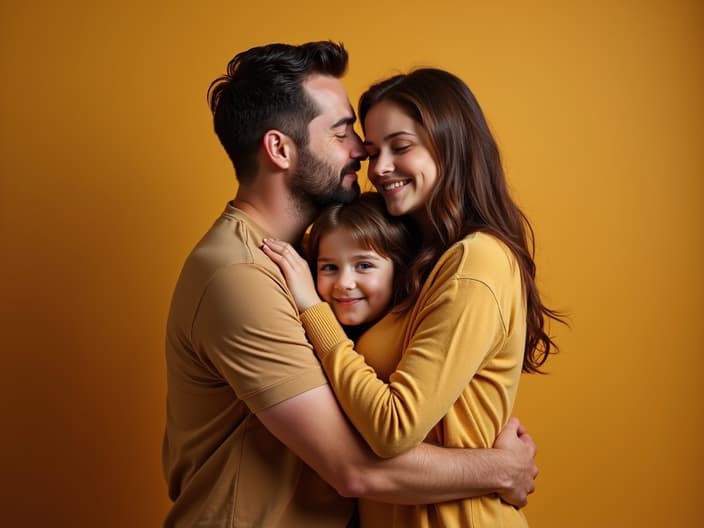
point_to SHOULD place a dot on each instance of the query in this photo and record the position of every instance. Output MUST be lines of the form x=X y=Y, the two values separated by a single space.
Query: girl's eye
x=365 y=265
x=372 y=155
x=400 y=149
x=327 y=267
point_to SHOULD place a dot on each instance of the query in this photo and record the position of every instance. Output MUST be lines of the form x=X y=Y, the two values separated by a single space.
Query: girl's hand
x=295 y=270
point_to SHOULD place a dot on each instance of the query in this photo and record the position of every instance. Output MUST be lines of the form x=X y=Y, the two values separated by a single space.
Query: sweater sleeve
x=453 y=333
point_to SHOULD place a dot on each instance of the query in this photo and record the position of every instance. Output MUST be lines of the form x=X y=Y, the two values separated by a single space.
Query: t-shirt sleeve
x=248 y=329
x=455 y=331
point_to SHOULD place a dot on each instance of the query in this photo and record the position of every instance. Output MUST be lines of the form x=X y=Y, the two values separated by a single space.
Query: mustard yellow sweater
x=445 y=372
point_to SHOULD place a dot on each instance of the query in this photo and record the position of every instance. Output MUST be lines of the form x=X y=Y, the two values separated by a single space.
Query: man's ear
x=279 y=148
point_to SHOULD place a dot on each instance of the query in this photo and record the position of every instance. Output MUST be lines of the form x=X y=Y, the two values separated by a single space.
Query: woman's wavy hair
x=369 y=224
x=471 y=193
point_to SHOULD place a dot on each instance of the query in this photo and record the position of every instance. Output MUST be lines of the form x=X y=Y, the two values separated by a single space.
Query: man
x=254 y=436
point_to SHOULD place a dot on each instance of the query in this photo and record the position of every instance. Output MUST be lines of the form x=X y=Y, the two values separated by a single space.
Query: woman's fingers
x=295 y=270
x=276 y=246
x=283 y=251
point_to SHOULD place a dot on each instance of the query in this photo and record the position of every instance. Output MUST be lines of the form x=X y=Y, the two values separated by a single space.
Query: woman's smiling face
x=401 y=165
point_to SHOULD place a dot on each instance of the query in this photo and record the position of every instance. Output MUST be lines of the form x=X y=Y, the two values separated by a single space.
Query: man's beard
x=318 y=184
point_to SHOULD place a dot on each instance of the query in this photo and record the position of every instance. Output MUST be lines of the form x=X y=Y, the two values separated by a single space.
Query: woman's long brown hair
x=471 y=193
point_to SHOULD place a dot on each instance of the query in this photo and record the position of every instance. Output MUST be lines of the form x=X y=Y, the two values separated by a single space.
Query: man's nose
x=357 y=150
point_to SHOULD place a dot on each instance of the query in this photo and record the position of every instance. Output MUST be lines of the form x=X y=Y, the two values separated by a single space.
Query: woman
x=444 y=365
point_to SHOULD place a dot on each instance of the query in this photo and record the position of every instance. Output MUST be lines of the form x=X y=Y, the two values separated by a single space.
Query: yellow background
x=110 y=174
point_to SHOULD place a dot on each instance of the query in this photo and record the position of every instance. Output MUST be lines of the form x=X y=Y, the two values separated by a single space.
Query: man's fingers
x=528 y=440
x=512 y=425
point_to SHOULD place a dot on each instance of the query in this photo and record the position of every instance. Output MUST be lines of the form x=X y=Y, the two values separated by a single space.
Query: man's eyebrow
x=391 y=136
x=348 y=120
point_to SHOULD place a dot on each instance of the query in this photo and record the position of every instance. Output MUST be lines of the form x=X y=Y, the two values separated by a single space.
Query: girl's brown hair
x=367 y=222
x=471 y=193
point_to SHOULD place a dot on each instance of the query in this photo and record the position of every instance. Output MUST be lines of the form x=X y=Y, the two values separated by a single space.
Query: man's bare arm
x=313 y=426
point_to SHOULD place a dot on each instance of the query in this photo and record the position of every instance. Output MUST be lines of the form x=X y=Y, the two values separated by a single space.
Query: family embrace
x=376 y=357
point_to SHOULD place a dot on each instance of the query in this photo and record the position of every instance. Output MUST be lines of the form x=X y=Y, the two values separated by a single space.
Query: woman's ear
x=279 y=148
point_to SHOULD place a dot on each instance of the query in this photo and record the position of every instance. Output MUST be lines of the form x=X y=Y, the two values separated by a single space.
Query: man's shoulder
x=227 y=259
x=233 y=243
x=230 y=240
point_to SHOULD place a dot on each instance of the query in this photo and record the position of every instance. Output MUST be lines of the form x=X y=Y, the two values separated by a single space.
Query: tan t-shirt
x=234 y=346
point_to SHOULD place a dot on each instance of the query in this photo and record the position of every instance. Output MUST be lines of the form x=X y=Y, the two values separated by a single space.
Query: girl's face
x=401 y=166
x=357 y=282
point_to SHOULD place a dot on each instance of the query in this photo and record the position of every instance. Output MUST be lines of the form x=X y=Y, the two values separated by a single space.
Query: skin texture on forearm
x=313 y=426
x=430 y=474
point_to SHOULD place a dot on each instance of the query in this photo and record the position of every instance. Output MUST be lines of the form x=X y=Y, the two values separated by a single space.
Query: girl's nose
x=345 y=280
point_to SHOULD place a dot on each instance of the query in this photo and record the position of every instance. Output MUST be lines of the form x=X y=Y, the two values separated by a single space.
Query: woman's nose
x=382 y=165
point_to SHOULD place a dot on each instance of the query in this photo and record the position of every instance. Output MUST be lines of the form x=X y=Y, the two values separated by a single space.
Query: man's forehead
x=330 y=96
x=319 y=82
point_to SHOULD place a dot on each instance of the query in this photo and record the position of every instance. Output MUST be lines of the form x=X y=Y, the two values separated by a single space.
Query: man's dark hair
x=263 y=90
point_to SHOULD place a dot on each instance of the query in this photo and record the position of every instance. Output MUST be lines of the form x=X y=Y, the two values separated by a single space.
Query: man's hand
x=520 y=469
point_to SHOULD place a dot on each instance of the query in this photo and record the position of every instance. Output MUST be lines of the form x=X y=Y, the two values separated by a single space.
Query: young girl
x=356 y=252
x=446 y=360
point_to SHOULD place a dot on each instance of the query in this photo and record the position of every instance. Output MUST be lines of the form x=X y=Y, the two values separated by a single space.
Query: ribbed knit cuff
x=323 y=330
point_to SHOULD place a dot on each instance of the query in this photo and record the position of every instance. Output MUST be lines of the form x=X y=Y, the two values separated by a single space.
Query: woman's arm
x=452 y=336
x=459 y=324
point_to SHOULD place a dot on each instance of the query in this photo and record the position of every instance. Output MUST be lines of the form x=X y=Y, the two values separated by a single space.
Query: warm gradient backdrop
x=110 y=173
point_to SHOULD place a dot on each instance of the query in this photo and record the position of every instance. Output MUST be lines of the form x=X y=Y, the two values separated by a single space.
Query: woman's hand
x=295 y=270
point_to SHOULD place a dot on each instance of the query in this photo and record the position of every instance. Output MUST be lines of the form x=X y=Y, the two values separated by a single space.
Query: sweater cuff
x=323 y=330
